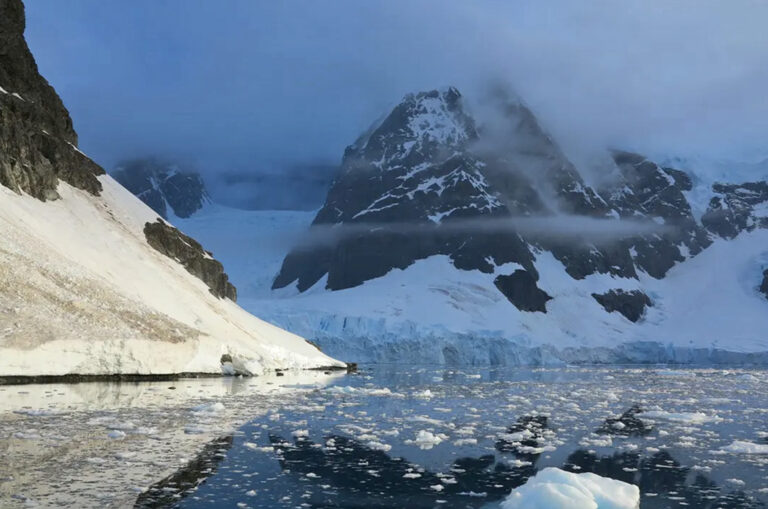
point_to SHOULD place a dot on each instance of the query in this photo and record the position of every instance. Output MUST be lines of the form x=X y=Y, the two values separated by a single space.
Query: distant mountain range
x=444 y=239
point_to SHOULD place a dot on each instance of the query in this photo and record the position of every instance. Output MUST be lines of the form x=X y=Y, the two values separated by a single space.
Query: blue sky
x=251 y=85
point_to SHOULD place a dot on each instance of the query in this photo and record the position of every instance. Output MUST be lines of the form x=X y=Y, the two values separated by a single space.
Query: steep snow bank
x=82 y=292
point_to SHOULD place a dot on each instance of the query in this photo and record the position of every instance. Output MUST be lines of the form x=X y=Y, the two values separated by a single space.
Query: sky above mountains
x=247 y=85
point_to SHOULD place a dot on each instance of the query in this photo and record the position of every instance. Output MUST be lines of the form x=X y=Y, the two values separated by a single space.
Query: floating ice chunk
x=687 y=417
x=257 y=447
x=301 y=433
x=744 y=447
x=465 y=441
x=209 y=408
x=378 y=446
x=116 y=434
x=553 y=488
x=426 y=394
x=426 y=440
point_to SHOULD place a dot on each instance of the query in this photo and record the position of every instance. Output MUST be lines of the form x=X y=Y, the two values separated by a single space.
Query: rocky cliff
x=38 y=145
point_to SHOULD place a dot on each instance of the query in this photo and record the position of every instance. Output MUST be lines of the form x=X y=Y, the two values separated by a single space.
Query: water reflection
x=347 y=473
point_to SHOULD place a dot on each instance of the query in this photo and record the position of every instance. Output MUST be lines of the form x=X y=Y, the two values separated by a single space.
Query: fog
x=247 y=86
x=549 y=228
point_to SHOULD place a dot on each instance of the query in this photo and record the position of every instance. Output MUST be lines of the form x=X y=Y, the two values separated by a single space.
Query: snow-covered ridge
x=704 y=311
x=82 y=292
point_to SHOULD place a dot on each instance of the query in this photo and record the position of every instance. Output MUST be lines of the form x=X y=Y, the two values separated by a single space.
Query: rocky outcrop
x=736 y=208
x=764 y=284
x=189 y=253
x=521 y=290
x=163 y=186
x=38 y=145
x=649 y=191
x=631 y=304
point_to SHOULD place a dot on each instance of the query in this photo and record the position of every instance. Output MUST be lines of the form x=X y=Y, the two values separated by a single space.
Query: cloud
x=559 y=227
x=249 y=85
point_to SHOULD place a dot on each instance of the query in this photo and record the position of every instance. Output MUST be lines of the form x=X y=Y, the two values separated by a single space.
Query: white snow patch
x=743 y=447
x=426 y=440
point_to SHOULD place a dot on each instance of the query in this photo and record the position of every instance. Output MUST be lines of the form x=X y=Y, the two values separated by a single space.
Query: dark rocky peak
x=414 y=169
x=427 y=126
x=736 y=208
x=519 y=145
x=38 y=145
x=163 y=186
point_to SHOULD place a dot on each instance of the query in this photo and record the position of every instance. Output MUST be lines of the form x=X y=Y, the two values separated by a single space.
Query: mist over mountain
x=279 y=86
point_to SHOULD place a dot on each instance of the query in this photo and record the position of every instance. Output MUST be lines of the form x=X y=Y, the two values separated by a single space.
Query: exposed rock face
x=414 y=168
x=163 y=186
x=429 y=180
x=736 y=208
x=521 y=290
x=38 y=145
x=189 y=253
x=631 y=304
x=650 y=191
x=764 y=284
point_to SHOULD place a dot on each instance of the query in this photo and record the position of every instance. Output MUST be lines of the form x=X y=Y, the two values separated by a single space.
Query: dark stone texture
x=521 y=290
x=408 y=184
x=189 y=253
x=38 y=145
x=631 y=304
x=648 y=191
x=402 y=191
x=731 y=210
x=764 y=284
x=163 y=186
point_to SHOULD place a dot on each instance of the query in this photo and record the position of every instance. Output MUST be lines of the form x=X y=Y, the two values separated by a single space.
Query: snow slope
x=82 y=292
x=707 y=308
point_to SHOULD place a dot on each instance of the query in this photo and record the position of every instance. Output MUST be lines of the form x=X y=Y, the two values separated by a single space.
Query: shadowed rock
x=38 y=145
x=189 y=253
x=163 y=186
x=521 y=290
x=631 y=304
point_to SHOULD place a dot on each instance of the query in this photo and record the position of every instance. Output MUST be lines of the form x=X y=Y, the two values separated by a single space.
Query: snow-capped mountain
x=92 y=282
x=427 y=165
x=164 y=187
x=448 y=240
x=438 y=227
